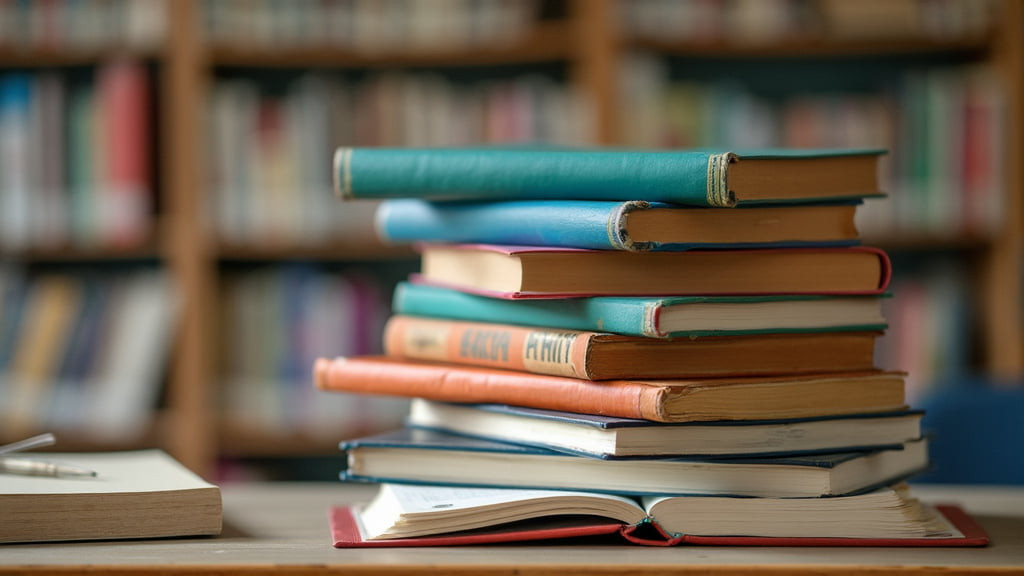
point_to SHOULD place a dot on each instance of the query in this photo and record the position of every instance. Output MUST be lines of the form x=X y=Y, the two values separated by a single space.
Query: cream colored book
x=135 y=494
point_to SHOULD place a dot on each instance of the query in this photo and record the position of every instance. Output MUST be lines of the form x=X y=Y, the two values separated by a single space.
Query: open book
x=408 y=515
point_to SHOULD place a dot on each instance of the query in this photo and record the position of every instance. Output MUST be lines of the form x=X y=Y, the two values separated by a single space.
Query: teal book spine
x=565 y=223
x=591 y=224
x=623 y=316
x=690 y=177
x=630 y=316
x=684 y=177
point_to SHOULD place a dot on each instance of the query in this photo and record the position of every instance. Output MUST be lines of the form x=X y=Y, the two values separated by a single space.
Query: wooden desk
x=282 y=528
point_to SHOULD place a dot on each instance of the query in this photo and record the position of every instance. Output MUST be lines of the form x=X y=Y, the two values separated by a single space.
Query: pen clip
x=46 y=439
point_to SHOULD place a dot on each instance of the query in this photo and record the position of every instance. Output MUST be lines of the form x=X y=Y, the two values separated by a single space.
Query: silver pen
x=29 y=467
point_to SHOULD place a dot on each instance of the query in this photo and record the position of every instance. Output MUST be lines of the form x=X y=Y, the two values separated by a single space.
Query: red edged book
x=544 y=272
x=412 y=516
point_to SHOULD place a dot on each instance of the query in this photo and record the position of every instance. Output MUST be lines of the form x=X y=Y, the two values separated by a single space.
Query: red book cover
x=125 y=100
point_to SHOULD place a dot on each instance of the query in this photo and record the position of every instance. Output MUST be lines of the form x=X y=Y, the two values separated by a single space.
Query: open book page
x=403 y=511
x=884 y=513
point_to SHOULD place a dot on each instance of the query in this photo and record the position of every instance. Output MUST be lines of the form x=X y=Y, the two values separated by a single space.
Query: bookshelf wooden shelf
x=340 y=251
x=239 y=440
x=546 y=42
x=932 y=242
x=60 y=58
x=594 y=51
x=814 y=47
x=81 y=254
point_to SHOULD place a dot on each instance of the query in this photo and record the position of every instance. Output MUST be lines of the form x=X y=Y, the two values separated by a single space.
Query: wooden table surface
x=282 y=528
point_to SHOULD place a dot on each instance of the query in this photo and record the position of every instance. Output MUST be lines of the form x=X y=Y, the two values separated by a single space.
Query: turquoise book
x=634 y=225
x=691 y=177
x=652 y=317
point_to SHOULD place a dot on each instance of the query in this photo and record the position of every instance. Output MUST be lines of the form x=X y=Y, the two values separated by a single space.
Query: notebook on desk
x=134 y=494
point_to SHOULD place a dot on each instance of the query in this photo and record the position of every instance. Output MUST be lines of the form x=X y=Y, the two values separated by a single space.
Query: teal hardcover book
x=693 y=177
x=652 y=317
x=607 y=225
x=421 y=456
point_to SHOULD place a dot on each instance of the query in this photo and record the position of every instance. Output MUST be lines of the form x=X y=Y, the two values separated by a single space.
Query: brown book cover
x=678 y=400
x=602 y=356
x=546 y=272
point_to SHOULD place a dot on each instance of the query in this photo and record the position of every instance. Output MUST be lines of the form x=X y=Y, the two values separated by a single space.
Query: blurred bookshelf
x=243 y=103
x=937 y=84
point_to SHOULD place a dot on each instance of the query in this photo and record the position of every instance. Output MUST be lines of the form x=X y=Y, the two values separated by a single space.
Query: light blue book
x=609 y=225
x=693 y=177
x=653 y=317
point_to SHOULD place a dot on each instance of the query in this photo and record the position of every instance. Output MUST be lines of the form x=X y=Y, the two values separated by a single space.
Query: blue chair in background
x=976 y=433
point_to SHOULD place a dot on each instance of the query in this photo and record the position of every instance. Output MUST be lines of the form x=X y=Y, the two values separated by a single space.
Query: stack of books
x=670 y=346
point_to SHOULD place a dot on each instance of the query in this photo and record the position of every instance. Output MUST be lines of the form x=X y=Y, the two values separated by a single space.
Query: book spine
x=124 y=98
x=570 y=224
x=553 y=352
x=591 y=314
x=694 y=178
x=49 y=314
x=449 y=383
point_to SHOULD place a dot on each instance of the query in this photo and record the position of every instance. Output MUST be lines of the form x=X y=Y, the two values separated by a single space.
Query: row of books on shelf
x=550 y=379
x=274 y=185
x=369 y=25
x=83 y=352
x=752 y=21
x=932 y=335
x=83 y=24
x=274 y=323
x=943 y=126
x=75 y=166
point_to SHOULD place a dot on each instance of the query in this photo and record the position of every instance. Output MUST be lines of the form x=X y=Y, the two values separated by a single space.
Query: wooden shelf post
x=595 y=67
x=1003 y=292
x=191 y=396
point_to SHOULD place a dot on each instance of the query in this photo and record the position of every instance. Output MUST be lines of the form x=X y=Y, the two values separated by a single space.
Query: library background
x=173 y=258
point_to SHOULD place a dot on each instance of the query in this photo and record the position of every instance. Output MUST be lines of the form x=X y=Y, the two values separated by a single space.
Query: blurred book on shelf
x=275 y=323
x=702 y=21
x=373 y=25
x=943 y=125
x=888 y=19
x=274 y=189
x=83 y=24
x=931 y=334
x=83 y=352
x=75 y=161
x=746 y=22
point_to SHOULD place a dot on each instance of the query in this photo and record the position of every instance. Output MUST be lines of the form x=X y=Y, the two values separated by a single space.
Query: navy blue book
x=422 y=456
x=636 y=225
x=609 y=437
